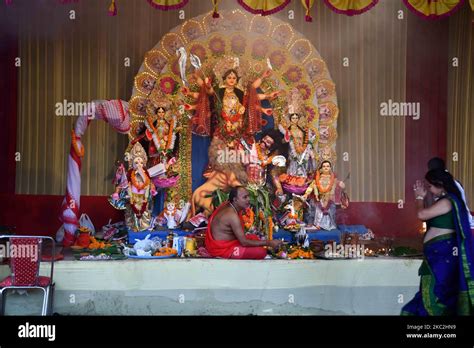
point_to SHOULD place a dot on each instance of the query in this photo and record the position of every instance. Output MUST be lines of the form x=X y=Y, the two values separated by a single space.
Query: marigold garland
x=95 y=244
x=136 y=184
x=248 y=218
x=260 y=157
x=166 y=211
x=300 y=149
x=299 y=253
x=165 y=251
x=231 y=118
x=170 y=132
x=318 y=183
x=270 y=228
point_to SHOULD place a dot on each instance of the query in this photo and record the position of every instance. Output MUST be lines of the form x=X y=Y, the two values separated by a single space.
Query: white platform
x=373 y=286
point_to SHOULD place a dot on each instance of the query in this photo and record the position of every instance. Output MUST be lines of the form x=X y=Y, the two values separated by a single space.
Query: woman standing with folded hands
x=447 y=271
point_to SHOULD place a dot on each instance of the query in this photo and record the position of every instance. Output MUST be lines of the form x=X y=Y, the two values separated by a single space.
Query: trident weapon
x=183 y=57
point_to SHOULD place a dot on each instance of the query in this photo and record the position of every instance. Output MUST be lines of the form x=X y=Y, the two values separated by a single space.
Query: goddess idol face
x=326 y=168
x=161 y=113
x=230 y=79
x=294 y=118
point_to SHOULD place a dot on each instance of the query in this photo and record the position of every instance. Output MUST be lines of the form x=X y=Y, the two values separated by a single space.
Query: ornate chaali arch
x=252 y=38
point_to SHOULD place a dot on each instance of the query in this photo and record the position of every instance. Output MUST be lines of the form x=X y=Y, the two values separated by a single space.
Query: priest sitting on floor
x=225 y=236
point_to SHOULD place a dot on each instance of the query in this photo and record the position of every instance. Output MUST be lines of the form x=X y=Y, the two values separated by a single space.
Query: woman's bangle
x=420 y=197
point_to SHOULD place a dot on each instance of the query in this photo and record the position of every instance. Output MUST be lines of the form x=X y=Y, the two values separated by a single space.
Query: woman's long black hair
x=442 y=179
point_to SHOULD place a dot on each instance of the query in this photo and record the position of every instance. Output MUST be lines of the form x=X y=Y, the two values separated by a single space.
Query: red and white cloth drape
x=114 y=112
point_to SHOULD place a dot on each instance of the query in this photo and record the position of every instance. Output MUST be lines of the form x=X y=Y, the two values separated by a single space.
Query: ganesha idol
x=134 y=191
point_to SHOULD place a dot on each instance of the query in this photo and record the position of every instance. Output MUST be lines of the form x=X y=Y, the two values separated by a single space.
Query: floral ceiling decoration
x=308 y=4
x=215 y=3
x=166 y=5
x=350 y=7
x=263 y=7
x=428 y=9
x=434 y=9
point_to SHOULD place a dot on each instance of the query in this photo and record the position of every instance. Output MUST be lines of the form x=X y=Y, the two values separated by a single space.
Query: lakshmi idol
x=137 y=194
x=327 y=192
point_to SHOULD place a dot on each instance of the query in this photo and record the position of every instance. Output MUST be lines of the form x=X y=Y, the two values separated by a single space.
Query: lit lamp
x=423 y=227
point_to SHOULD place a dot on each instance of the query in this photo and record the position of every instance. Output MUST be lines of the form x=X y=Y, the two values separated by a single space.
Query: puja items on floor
x=144 y=247
x=96 y=257
x=200 y=236
x=190 y=246
x=351 y=238
x=113 y=231
x=83 y=237
x=165 y=252
x=291 y=252
x=156 y=247
x=91 y=248
x=381 y=247
x=316 y=246
x=300 y=253
x=95 y=244
x=378 y=247
x=86 y=241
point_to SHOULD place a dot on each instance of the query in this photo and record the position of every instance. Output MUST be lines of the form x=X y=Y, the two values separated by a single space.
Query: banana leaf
x=111 y=250
x=218 y=197
x=260 y=200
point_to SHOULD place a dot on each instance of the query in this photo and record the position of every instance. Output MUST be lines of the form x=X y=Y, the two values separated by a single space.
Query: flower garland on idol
x=326 y=189
x=136 y=184
x=300 y=152
x=171 y=138
x=300 y=149
x=263 y=162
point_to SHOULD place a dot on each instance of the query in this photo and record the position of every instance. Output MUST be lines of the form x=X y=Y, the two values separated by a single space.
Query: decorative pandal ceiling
x=428 y=9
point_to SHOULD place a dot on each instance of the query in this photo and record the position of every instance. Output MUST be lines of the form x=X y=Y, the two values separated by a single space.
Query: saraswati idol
x=301 y=139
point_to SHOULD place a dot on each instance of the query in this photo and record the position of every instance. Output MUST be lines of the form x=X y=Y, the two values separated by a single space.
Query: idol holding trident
x=238 y=110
